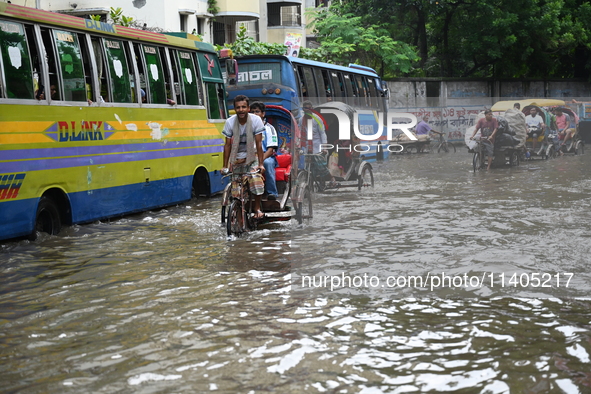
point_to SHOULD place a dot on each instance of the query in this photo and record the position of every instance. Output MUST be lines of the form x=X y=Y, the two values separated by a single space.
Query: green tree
x=483 y=38
x=346 y=38
x=246 y=45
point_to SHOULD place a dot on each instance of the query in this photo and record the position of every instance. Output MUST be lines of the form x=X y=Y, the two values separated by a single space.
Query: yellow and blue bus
x=99 y=120
x=289 y=81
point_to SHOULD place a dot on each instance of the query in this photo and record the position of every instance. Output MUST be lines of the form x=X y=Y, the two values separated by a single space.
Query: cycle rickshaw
x=509 y=145
x=545 y=146
x=346 y=159
x=575 y=145
x=295 y=198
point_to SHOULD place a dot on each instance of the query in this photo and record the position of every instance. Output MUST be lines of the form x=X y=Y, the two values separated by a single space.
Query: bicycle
x=240 y=216
x=443 y=144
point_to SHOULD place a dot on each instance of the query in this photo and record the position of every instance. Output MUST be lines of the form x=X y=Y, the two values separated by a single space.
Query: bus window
x=350 y=89
x=101 y=65
x=327 y=85
x=54 y=83
x=71 y=67
x=320 y=84
x=188 y=76
x=303 y=89
x=171 y=90
x=119 y=75
x=371 y=83
x=215 y=98
x=154 y=75
x=363 y=89
x=35 y=57
x=178 y=86
x=339 y=85
x=309 y=84
x=16 y=61
x=88 y=79
x=141 y=80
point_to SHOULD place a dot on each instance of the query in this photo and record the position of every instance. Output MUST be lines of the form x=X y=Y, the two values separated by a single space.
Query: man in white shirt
x=243 y=148
x=270 y=144
x=535 y=125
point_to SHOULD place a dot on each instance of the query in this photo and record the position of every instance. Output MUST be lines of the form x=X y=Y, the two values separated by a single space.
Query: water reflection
x=165 y=302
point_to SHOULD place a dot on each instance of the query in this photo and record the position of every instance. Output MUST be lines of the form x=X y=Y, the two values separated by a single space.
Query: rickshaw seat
x=284 y=169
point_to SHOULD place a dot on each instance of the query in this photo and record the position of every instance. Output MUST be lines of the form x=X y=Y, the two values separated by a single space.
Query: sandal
x=259 y=214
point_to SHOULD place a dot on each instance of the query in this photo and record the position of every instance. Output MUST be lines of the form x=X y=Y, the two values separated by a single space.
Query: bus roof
x=74 y=22
x=296 y=60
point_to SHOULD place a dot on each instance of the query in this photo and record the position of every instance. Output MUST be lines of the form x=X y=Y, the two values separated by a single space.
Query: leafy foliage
x=483 y=38
x=347 y=38
x=246 y=45
x=118 y=18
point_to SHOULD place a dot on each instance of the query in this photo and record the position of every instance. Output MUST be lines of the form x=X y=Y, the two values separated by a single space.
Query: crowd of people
x=255 y=149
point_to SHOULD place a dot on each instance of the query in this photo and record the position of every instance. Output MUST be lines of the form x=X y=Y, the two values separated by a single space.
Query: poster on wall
x=293 y=42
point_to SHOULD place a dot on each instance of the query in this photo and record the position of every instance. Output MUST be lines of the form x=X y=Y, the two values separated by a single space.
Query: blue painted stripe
x=17 y=217
x=116 y=157
x=20 y=154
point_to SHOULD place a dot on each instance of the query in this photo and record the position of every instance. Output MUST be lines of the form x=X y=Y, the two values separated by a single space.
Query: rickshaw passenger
x=565 y=133
x=270 y=144
x=488 y=127
x=245 y=152
x=535 y=125
x=319 y=168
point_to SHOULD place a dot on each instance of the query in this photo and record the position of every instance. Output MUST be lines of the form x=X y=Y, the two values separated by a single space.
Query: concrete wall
x=413 y=93
x=458 y=103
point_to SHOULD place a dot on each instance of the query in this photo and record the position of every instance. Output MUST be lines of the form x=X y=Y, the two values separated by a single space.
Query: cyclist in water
x=488 y=127
x=243 y=151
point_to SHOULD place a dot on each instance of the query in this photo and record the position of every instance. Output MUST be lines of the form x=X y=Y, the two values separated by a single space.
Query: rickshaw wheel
x=477 y=161
x=235 y=223
x=551 y=153
x=304 y=208
x=366 y=177
x=514 y=159
x=579 y=148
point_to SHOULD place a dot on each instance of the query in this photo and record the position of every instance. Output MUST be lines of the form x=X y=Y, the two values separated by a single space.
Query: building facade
x=266 y=20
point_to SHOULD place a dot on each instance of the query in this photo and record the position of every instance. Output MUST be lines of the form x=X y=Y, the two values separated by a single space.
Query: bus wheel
x=47 y=219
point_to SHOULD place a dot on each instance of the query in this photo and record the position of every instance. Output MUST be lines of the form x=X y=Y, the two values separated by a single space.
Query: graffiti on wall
x=453 y=121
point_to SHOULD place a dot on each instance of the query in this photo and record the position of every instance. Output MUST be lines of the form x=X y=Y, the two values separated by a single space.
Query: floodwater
x=164 y=302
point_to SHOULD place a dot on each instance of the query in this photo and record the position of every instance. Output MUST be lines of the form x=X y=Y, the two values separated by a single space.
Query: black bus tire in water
x=47 y=219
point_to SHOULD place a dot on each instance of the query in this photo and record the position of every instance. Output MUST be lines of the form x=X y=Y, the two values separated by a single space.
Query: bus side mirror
x=232 y=71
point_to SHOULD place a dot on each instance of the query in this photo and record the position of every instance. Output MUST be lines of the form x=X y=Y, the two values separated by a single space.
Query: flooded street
x=164 y=302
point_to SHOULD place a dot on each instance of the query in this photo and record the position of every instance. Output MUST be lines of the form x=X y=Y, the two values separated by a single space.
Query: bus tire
x=47 y=218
